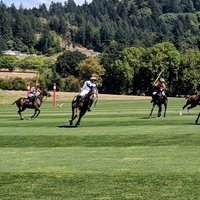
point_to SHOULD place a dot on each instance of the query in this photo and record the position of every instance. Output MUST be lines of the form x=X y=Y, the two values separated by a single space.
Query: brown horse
x=82 y=106
x=193 y=101
x=23 y=103
x=159 y=100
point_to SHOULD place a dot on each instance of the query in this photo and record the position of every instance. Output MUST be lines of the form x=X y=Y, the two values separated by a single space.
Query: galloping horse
x=159 y=100
x=193 y=101
x=23 y=103
x=82 y=106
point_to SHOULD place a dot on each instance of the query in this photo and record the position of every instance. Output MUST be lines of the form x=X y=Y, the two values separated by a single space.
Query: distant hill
x=96 y=25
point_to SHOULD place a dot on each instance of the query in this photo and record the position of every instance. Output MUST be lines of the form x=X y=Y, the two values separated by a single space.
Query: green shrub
x=71 y=84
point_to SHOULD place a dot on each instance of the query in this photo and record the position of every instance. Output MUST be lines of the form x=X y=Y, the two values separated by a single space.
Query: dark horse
x=81 y=106
x=159 y=99
x=23 y=103
x=193 y=101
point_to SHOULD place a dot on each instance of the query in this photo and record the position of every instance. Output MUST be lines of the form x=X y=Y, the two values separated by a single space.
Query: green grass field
x=117 y=153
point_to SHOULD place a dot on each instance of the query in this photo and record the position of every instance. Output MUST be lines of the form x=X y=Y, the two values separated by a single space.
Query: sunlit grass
x=116 y=153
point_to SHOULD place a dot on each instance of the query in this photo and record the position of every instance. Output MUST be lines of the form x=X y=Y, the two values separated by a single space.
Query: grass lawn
x=116 y=153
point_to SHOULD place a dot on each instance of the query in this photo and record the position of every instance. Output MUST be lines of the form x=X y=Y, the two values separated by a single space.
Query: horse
x=193 y=101
x=23 y=103
x=82 y=106
x=159 y=99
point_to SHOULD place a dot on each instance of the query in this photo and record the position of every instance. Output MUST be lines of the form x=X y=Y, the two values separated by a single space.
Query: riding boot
x=33 y=100
x=30 y=101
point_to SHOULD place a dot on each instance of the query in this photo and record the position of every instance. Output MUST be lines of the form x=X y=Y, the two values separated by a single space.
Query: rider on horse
x=88 y=85
x=160 y=87
x=32 y=94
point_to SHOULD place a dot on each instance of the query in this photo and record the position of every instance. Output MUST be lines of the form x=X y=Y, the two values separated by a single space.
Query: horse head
x=44 y=93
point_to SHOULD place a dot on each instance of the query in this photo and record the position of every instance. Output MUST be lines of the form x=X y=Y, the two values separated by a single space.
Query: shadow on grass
x=67 y=126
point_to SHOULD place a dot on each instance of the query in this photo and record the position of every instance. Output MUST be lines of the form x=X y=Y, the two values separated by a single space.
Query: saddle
x=29 y=101
x=79 y=101
x=158 y=95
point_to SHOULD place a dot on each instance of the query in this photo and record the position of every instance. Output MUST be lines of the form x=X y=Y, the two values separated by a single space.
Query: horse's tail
x=17 y=101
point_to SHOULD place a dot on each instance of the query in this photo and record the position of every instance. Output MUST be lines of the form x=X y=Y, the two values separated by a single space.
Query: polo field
x=117 y=152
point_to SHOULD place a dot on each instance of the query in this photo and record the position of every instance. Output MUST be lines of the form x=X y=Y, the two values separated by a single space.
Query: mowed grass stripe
x=126 y=140
x=79 y=186
x=169 y=159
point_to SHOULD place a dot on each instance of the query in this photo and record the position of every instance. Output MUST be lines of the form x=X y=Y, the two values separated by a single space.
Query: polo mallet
x=158 y=76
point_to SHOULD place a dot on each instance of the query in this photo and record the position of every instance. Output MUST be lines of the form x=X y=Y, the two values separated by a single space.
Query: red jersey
x=160 y=85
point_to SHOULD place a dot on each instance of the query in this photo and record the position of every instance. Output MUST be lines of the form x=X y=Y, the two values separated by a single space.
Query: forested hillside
x=135 y=38
x=96 y=25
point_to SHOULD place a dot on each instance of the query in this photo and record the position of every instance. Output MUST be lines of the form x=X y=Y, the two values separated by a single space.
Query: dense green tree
x=5 y=23
x=107 y=59
x=67 y=63
x=196 y=5
x=106 y=32
x=48 y=42
x=97 y=24
x=155 y=9
x=189 y=74
x=70 y=6
x=187 y=6
x=8 y=62
x=91 y=67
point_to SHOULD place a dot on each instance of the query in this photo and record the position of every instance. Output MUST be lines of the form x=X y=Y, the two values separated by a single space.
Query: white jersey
x=88 y=85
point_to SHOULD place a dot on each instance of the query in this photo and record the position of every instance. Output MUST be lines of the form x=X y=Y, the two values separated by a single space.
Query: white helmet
x=162 y=80
x=93 y=78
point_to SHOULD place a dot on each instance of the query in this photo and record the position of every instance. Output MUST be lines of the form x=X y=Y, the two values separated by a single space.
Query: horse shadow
x=67 y=126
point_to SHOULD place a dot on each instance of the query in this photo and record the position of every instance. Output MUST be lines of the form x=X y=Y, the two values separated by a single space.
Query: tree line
x=119 y=70
x=96 y=25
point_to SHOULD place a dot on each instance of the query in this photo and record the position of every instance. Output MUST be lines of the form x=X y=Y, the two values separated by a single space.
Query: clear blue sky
x=36 y=3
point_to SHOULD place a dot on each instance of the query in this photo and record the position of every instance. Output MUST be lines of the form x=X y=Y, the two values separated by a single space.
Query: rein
x=41 y=97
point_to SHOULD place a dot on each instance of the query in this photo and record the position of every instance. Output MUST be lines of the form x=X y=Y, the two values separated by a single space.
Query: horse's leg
x=20 y=114
x=159 y=110
x=21 y=109
x=152 y=110
x=34 y=114
x=197 y=118
x=181 y=111
x=80 y=116
x=74 y=115
x=165 y=109
x=190 y=107
x=38 y=112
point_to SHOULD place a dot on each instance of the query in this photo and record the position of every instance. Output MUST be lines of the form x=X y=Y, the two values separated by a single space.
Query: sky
x=36 y=3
